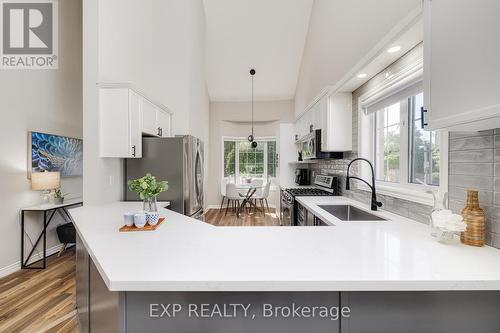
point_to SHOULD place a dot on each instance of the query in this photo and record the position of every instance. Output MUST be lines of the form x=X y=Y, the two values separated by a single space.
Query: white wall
x=233 y=119
x=48 y=101
x=159 y=47
x=340 y=34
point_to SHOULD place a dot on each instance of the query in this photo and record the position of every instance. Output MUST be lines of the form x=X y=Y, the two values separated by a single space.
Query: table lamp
x=46 y=182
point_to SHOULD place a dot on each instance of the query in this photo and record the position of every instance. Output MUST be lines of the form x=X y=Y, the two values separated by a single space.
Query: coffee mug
x=140 y=220
x=152 y=218
x=129 y=219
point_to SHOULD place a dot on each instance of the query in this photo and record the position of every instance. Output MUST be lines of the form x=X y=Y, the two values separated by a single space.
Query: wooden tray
x=147 y=227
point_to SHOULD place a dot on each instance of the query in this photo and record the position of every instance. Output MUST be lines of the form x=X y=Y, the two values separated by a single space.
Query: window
x=404 y=152
x=242 y=161
x=388 y=143
x=424 y=156
x=408 y=160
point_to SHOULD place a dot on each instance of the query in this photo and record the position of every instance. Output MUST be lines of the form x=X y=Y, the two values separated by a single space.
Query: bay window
x=242 y=161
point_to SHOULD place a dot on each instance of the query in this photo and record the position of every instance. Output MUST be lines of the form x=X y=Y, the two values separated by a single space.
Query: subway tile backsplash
x=474 y=162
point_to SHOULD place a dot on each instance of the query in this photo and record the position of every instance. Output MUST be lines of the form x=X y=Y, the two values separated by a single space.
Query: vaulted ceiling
x=314 y=41
x=268 y=35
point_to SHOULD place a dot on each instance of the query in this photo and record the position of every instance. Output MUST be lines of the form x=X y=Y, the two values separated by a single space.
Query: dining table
x=247 y=197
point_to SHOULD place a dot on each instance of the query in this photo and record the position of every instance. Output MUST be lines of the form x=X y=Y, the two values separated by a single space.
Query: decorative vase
x=474 y=217
x=149 y=205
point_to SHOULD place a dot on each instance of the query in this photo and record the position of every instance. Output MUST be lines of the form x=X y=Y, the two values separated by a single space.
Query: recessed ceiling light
x=393 y=49
x=362 y=75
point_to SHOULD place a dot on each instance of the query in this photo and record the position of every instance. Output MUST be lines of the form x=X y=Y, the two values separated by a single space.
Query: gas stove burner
x=308 y=192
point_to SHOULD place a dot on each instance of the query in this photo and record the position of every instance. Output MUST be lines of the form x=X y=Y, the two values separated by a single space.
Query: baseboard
x=35 y=257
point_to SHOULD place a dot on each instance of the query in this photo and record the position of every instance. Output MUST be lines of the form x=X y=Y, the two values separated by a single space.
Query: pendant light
x=251 y=136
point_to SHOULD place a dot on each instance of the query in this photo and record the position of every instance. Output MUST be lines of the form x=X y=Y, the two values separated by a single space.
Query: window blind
x=393 y=97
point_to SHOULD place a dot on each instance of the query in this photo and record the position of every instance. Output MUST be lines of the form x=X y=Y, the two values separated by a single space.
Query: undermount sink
x=350 y=213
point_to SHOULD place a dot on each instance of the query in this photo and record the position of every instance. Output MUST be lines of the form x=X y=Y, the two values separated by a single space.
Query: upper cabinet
x=155 y=121
x=332 y=114
x=336 y=131
x=120 y=123
x=164 y=123
x=149 y=118
x=125 y=116
x=461 y=64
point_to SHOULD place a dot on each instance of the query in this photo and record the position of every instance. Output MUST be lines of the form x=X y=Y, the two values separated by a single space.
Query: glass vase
x=149 y=205
x=440 y=203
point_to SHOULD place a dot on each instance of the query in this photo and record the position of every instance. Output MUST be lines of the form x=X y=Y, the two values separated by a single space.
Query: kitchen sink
x=350 y=213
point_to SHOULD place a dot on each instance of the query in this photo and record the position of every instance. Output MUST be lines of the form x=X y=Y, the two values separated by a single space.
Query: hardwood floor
x=44 y=300
x=40 y=300
x=217 y=218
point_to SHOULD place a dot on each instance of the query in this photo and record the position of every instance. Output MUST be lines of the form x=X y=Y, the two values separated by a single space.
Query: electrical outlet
x=111 y=180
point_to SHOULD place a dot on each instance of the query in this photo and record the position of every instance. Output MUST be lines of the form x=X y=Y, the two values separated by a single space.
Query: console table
x=49 y=211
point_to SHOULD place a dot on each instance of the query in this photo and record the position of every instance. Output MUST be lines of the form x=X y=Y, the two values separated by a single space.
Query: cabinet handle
x=133 y=150
x=422 y=121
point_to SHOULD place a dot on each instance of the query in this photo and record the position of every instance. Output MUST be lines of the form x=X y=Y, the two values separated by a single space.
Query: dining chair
x=258 y=191
x=222 y=192
x=232 y=195
x=263 y=197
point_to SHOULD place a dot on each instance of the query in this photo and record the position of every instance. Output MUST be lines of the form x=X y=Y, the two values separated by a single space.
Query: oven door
x=286 y=212
x=301 y=215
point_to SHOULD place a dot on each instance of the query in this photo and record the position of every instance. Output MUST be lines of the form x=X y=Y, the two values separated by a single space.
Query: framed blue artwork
x=48 y=152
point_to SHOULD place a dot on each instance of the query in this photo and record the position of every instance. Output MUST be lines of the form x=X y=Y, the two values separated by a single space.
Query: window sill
x=410 y=193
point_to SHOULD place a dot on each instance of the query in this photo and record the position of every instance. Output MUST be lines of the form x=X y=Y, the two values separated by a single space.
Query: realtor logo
x=29 y=34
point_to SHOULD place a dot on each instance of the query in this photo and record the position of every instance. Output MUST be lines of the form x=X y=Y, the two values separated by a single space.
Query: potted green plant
x=58 y=196
x=148 y=188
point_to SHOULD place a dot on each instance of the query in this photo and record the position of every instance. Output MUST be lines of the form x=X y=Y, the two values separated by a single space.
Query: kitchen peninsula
x=372 y=268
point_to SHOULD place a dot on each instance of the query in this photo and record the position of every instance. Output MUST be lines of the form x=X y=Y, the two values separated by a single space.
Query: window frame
x=236 y=177
x=418 y=193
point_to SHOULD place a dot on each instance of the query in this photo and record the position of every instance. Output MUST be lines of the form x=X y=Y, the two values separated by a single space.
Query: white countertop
x=184 y=254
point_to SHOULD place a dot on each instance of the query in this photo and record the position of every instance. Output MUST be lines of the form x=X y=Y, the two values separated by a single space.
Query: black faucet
x=374 y=204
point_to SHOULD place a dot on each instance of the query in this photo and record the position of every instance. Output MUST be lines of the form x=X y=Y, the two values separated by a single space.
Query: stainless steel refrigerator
x=179 y=160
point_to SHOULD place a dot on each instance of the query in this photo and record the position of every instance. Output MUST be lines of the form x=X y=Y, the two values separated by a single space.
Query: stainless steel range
x=289 y=213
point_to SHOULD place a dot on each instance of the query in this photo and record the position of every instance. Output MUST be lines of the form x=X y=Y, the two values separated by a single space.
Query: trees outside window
x=242 y=161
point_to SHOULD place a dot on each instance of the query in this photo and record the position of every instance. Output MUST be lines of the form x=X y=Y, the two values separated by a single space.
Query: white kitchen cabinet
x=120 y=123
x=155 y=121
x=164 y=121
x=462 y=64
x=149 y=118
x=298 y=127
x=336 y=122
x=332 y=114
x=318 y=111
x=303 y=124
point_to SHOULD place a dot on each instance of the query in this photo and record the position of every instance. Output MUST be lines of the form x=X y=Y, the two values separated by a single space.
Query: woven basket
x=474 y=217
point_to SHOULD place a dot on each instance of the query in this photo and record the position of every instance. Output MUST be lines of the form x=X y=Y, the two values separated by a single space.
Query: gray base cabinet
x=100 y=310
x=422 y=312
x=82 y=285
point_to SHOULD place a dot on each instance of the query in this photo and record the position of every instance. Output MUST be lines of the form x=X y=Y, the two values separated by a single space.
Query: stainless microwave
x=310 y=147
